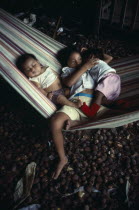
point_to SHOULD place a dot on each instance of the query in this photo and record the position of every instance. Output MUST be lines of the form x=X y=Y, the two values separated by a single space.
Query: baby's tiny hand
x=91 y=62
x=78 y=103
x=50 y=95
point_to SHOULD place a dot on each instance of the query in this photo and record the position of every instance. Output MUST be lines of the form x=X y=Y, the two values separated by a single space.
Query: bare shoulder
x=107 y=58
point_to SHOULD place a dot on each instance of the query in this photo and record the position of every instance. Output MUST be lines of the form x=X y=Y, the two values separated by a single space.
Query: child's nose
x=32 y=69
x=78 y=62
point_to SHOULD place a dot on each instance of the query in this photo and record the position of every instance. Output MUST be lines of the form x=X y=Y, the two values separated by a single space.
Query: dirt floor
x=102 y=162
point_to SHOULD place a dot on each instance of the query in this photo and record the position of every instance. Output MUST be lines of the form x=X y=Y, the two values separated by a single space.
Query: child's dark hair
x=96 y=52
x=64 y=54
x=22 y=58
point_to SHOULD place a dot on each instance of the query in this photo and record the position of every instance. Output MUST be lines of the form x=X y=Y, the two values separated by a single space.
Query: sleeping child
x=44 y=79
x=107 y=82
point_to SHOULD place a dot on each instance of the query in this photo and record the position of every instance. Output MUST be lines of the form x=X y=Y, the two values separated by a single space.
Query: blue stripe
x=84 y=94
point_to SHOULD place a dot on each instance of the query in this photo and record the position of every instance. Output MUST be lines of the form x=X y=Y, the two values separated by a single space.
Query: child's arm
x=62 y=100
x=74 y=77
x=107 y=58
x=67 y=92
x=39 y=87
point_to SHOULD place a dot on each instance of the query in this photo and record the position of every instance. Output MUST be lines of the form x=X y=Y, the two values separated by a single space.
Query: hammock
x=17 y=38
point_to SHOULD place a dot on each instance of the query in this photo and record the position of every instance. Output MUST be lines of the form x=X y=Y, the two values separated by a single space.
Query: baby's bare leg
x=64 y=101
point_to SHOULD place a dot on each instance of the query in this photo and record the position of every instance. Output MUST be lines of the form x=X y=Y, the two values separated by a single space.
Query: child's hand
x=50 y=95
x=78 y=103
x=91 y=63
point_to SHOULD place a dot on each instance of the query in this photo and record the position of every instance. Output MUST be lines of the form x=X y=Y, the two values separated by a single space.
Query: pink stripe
x=121 y=60
x=38 y=43
x=125 y=65
x=110 y=120
x=129 y=82
x=118 y=65
x=12 y=44
x=28 y=35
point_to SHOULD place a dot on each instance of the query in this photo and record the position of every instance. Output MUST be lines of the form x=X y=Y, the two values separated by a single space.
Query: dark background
x=82 y=10
x=94 y=15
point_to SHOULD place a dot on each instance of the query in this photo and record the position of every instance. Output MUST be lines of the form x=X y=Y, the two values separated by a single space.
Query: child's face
x=74 y=60
x=31 y=67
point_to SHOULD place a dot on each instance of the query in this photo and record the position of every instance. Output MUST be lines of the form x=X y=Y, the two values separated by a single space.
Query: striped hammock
x=17 y=38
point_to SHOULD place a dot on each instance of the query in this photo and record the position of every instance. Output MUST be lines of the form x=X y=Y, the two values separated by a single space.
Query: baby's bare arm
x=107 y=58
x=62 y=100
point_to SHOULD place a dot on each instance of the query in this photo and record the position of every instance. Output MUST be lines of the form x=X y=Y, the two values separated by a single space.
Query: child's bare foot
x=70 y=123
x=59 y=168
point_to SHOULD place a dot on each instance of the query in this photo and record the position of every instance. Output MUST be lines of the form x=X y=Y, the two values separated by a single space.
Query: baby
x=44 y=79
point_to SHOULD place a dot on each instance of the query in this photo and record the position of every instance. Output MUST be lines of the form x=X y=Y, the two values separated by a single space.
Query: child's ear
x=83 y=49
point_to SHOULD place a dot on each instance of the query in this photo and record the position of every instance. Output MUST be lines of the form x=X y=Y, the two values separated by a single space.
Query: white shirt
x=84 y=82
x=45 y=79
x=99 y=70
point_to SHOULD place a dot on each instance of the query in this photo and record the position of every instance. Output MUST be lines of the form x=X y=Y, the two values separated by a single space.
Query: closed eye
x=73 y=61
x=27 y=70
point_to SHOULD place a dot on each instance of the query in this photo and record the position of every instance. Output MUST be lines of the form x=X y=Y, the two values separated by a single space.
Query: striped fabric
x=128 y=69
x=17 y=38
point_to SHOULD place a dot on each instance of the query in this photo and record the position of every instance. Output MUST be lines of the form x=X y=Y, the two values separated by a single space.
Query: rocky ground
x=103 y=167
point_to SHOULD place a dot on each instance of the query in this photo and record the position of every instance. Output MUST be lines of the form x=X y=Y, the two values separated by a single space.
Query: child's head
x=92 y=53
x=29 y=65
x=74 y=60
x=70 y=56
